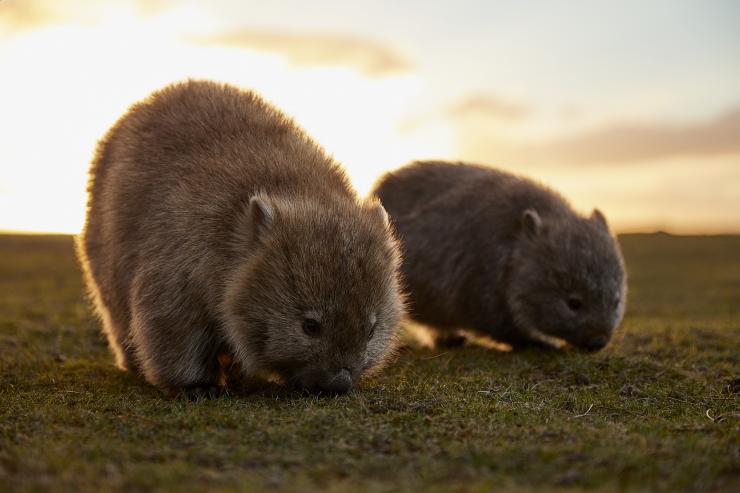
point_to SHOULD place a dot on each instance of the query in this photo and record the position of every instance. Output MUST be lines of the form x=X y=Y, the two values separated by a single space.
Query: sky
x=632 y=106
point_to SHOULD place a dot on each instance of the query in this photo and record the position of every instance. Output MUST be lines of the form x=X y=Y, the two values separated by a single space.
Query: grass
x=656 y=411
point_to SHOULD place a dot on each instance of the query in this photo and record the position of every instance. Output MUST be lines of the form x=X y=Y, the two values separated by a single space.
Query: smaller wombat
x=501 y=255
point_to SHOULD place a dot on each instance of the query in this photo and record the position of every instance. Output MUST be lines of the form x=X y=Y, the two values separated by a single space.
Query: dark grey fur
x=216 y=226
x=499 y=254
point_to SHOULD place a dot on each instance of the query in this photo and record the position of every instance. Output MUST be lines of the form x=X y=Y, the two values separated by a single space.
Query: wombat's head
x=567 y=279
x=316 y=299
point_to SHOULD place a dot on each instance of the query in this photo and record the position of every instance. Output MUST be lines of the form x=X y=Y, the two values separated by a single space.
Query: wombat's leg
x=226 y=369
x=505 y=331
x=520 y=342
x=114 y=318
x=176 y=354
x=118 y=339
x=524 y=343
x=450 y=340
x=176 y=348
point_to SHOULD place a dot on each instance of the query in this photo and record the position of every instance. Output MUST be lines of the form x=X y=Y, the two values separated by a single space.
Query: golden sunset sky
x=629 y=106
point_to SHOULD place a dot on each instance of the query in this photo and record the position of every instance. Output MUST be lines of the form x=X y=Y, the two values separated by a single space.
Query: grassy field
x=658 y=410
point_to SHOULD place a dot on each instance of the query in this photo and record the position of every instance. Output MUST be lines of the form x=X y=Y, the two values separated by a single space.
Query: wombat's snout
x=596 y=343
x=337 y=383
x=324 y=381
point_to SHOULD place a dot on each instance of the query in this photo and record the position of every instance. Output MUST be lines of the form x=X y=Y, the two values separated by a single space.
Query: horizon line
x=656 y=231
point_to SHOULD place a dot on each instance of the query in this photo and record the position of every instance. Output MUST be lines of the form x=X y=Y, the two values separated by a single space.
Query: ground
x=655 y=411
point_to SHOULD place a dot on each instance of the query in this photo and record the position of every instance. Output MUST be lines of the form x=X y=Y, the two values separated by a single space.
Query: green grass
x=656 y=411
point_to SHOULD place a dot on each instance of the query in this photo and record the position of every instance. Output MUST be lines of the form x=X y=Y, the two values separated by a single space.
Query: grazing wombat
x=217 y=229
x=501 y=255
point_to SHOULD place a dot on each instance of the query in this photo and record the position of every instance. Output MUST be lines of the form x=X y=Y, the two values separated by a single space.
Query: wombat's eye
x=311 y=327
x=574 y=303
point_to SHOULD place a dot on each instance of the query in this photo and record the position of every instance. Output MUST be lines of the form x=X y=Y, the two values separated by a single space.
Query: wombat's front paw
x=202 y=392
x=450 y=341
x=534 y=345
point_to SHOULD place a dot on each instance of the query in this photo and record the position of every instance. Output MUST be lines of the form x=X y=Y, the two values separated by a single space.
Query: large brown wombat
x=216 y=226
x=499 y=254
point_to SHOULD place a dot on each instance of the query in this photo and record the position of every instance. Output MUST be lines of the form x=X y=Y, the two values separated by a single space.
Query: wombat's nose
x=596 y=343
x=338 y=383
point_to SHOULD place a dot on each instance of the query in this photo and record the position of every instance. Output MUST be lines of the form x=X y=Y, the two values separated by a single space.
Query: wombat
x=216 y=227
x=498 y=254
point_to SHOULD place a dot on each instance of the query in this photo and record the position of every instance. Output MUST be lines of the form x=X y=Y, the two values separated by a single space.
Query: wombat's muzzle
x=338 y=383
x=595 y=343
x=325 y=382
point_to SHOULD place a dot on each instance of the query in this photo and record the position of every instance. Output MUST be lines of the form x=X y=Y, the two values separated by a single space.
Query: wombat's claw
x=203 y=392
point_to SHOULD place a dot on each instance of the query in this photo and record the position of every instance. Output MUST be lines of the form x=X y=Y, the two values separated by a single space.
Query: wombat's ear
x=261 y=215
x=598 y=218
x=531 y=223
x=377 y=208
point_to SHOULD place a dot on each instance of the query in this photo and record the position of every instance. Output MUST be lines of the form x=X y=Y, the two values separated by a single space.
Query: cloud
x=368 y=56
x=20 y=15
x=615 y=143
x=152 y=7
x=638 y=142
x=24 y=14
x=488 y=106
x=471 y=113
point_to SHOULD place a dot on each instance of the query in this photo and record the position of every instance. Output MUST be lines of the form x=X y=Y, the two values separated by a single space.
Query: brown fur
x=499 y=254
x=216 y=226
